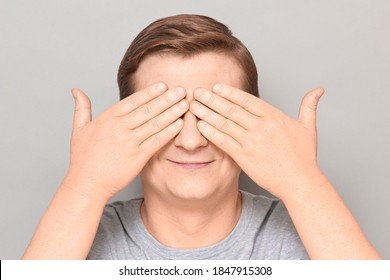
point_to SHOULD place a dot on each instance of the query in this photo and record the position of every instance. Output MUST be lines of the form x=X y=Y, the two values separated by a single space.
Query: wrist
x=304 y=186
x=84 y=189
x=68 y=227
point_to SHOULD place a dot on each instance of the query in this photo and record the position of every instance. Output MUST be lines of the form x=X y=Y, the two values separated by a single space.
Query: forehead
x=200 y=70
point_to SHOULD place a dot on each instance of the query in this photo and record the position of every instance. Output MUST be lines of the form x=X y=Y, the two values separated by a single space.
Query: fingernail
x=319 y=94
x=74 y=97
x=179 y=122
x=161 y=87
x=217 y=88
x=180 y=92
x=201 y=125
x=199 y=93
x=183 y=104
x=195 y=106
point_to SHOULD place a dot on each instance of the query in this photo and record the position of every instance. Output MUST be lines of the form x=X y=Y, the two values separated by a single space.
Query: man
x=189 y=121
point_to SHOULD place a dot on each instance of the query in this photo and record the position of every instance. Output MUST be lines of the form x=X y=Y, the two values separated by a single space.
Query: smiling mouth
x=191 y=165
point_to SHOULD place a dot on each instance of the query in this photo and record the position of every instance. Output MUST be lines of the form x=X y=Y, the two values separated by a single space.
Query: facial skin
x=189 y=167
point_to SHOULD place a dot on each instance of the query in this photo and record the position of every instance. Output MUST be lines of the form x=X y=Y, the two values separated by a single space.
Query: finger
x=161 y=121
x=155 y=107
x=82 y=109
x=245 y=100
x=155 y=142
x=308 y=108
x=225 y=125
x=220 y=139
x=224 y=107
x=137 y=99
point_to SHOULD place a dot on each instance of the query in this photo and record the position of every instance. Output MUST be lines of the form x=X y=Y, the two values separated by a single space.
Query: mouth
x=191 y=164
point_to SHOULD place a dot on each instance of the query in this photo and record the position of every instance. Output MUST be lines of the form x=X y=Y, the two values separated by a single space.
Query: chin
x=188 y=183
x=192 y=189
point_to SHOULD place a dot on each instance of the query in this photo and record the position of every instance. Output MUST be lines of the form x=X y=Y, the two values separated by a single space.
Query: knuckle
x=156 y=140
x=222 y=141
x=230 y=111
x=135 y=134
x=226 y=125
x=149 y=92
x=146 y=110
x=279 y=120
x=211 y=98
x=247 y=101
x=132 y=102
x=154 y=124
x=272 y=126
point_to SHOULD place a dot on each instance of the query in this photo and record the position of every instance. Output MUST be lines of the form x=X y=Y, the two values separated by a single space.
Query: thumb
x=308 y=109
x=82 y=109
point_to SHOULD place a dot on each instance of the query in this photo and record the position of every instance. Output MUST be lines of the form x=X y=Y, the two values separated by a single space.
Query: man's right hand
x=108 y=153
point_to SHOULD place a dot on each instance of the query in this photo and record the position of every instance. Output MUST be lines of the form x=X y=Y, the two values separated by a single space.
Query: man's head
x=185 y=35
x=191 y=52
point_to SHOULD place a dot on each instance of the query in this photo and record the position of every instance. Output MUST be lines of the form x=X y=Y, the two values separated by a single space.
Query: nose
x=190 y=138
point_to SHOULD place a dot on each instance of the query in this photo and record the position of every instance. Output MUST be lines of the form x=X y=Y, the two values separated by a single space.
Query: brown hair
x=185 y=35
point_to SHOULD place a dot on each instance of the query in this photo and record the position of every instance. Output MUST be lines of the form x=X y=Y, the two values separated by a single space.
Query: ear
x=308 y=109
x=82 y=109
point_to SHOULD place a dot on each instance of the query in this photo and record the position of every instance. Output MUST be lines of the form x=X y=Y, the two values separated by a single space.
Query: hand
x=109 y=152
x=274 y=150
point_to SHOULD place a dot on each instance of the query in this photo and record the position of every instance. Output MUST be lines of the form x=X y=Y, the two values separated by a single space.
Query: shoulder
x=269 y=210
x=118 y=221
x=121 y=207
x=275 y=231
x=120 y=215
x=263 y=204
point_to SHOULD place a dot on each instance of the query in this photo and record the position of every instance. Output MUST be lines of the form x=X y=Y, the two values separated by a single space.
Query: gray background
x=48 y=47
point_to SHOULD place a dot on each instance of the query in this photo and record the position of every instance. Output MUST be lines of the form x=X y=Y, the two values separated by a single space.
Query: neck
x=185 y=224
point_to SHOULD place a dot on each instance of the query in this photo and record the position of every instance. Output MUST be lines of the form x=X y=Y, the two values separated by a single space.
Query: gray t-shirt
x=264 y=231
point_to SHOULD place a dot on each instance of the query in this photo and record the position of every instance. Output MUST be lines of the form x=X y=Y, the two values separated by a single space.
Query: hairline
x=174 y=53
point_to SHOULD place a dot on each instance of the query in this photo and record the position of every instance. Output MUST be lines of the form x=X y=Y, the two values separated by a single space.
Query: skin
x=190 y=186
x=101 y=166
x=190 y=157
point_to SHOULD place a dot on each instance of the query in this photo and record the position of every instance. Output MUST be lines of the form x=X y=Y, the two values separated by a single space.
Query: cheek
x=158 y=171
x=230 y=168
x=150 y=173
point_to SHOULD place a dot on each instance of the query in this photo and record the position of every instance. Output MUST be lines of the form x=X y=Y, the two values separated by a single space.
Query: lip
x=191 y=165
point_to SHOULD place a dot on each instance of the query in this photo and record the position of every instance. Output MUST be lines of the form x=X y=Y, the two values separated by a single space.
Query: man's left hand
x=274 y=150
